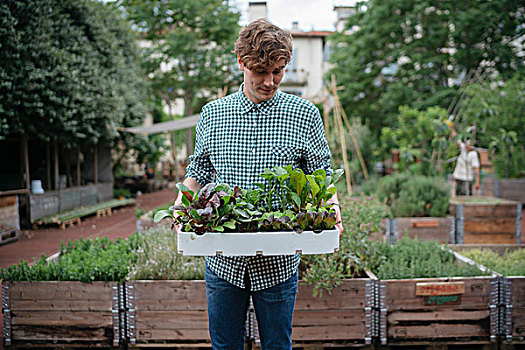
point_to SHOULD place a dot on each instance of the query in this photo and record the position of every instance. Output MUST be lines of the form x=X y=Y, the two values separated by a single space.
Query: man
x=467 y=167
x=238 y=137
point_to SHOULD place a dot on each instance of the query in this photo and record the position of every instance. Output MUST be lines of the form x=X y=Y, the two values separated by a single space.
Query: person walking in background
x=467 y=167
x=237 y=138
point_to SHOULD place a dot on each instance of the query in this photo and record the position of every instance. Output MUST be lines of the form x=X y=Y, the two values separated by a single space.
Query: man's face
x=261 y=85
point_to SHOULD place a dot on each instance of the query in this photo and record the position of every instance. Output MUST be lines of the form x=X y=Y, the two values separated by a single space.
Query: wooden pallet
x=9 y=236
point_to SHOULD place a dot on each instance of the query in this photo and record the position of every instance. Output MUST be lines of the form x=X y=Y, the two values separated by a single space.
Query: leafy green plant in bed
x=411 y=195
x=512 y=263
x=302 y=204
x=157 y=258
x=357 y=251
x=411 y=258
x=86 y=260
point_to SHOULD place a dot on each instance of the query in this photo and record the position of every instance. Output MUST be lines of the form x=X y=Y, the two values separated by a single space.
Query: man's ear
x=241 y=65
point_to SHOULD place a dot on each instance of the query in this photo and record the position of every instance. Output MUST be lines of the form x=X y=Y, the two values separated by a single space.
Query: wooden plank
x=172 y=335
x=172 y=320
x=440 y=288
x=8 y=201
x=437 y=331
x=56 y=334
x=489 y=238
x=316 y=333
x=490 y=210
x=61 y=305
x=489 y=225
x=65 y=319
x=349 y=295
x=57 y=290
x=443 y=315
x=302 y=318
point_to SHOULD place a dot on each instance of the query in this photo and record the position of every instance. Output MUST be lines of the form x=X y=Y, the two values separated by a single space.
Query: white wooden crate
x=258 y=243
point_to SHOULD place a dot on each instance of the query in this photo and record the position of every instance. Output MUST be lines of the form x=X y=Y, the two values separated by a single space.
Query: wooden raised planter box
x=167 y=312
x=36 y=314
x=425 y=228
x=512 y=293
x=485 y=220
x=512 y=189
x=418 y=319
x=175 y=313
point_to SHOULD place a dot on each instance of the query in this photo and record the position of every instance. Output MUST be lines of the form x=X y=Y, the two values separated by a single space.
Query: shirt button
x=253 y=150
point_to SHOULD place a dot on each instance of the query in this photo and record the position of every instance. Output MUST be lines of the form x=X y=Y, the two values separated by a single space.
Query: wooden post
x=48 y=165
x=188 y=137
x=174 y=155
x=25 y=152
x=78 y=167
x=95 y=164
x=56 y=164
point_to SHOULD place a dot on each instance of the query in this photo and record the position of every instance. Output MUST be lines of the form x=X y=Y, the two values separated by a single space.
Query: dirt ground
x=47 y=240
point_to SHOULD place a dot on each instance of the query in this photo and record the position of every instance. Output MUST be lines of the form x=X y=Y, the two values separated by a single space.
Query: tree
x=70 y=70
x=418 y=53
x=187 y=47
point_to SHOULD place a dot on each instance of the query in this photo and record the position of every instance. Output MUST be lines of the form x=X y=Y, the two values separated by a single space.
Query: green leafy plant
x=411 y=258
x=86 y=260
x=411 y=195
x=511 y=263
x=157 y=258
x=357 y=251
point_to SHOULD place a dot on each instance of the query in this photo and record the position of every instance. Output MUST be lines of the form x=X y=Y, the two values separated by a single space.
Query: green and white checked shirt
x=236 y=141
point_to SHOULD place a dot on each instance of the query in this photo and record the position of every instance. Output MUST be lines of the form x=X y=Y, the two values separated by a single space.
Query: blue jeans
x=228 y=306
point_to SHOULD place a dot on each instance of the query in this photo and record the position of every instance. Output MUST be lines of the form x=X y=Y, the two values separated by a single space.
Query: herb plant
x=512 y=263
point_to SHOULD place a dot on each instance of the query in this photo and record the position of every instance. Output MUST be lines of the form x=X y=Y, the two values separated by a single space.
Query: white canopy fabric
x=159 y=128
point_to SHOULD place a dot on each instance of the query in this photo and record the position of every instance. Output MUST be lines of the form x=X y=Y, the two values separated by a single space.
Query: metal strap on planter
x=495 y=309
x=370 y=299
x=452 y=233
x=129 y=296
x=460 y=219
x=496 y=188
x=391 y=231
x=518 y=223
x=6 y=313
x=507 y=308
x=115 y=306
x=375 y=312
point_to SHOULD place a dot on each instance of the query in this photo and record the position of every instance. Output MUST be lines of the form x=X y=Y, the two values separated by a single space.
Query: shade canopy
x=159 y=128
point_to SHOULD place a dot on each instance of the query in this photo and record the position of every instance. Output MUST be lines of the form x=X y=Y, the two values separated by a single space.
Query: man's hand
x=193 y=185
x=338 y=219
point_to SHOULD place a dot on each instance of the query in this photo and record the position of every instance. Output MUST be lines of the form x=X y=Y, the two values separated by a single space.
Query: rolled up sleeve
x=200 y=167
x=318 y=153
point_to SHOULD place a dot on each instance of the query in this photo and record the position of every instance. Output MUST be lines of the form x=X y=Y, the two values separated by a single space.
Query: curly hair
x=261 y=44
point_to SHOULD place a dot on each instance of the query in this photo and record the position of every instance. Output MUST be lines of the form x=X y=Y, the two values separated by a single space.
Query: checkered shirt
x=236 y=141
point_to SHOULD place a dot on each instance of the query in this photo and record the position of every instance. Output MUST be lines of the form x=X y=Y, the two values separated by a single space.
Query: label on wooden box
x=439 y=288
x=438 y=300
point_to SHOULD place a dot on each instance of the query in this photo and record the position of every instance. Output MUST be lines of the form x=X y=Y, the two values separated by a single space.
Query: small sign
x=438 y=300
x=439 y=288
x=432 y=223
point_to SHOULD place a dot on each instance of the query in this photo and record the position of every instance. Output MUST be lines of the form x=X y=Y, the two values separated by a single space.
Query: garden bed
x=63 y=313
x=509 y=261
x=486 y=220
x=424 y=228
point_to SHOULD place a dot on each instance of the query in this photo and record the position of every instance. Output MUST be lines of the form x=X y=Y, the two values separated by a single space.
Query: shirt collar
x=264 y=107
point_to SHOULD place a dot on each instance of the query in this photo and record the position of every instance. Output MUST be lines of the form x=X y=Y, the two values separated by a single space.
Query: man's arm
x=338 y=216
x=476 y=185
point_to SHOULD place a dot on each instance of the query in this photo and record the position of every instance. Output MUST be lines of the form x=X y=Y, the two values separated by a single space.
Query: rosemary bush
x=411 y=258
x=86 y=260
x=157 y=258
x=512 y=263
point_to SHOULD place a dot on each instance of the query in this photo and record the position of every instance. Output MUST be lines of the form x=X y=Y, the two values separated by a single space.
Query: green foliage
x=85 y=260
x=497 y=108
x=303 y=199
x=157 y=258
x=411 y=258
x=124 y=192
x=361 y=218
x=70 y=71
x=197 y=36
x=422 y=136
x=417 y=53
x=512 y=263
x=411 y=195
